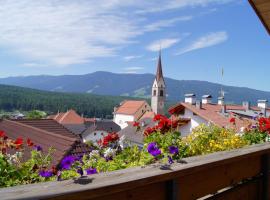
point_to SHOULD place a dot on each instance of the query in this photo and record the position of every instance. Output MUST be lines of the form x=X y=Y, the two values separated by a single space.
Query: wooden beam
x=259 y=14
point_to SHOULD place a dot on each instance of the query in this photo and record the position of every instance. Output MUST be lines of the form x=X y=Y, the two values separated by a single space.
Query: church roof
x=159 y=74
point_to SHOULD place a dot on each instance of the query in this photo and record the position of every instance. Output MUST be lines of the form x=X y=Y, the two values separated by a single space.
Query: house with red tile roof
x=130 y=111
x=46 y=133
x=204 y=111
x=69 y=117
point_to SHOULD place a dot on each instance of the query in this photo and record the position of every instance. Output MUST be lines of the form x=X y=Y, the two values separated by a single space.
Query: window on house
x=95 y=134
x=161 y=93
x=102 y=134
x=194 y=114
x=154 y=93
x=142 y=111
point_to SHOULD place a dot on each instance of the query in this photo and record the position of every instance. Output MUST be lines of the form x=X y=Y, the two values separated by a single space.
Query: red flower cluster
x=232 y=120
x=164 y=125
x=136 y=124
x=264 y=125
x=110 y=138
x=6 y=143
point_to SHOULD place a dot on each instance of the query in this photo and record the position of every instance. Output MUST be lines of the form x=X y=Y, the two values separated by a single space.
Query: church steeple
x=158 y=90
x=159 y=73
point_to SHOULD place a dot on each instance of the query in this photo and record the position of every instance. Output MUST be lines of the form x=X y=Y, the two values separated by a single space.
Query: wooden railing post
x=172 y=189
x=266 y=179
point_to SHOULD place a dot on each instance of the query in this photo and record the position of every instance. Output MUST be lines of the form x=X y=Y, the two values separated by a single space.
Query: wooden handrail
x=194 y=177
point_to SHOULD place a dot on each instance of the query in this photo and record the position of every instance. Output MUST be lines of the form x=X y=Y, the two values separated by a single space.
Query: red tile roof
x=46 y=133
x=69 y=117
x=148 y=114
x=129 y=107
x=211 y=113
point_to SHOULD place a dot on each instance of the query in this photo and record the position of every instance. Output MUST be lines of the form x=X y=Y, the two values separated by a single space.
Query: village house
x=69 y=117
x=130 y=111
x=97 y=129
x=203 y=111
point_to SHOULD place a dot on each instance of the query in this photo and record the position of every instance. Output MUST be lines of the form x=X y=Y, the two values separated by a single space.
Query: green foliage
x=15 y=172
x=36 y=114
x=254 y=137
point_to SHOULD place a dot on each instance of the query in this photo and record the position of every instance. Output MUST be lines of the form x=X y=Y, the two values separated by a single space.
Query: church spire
x=158 y=90
x=159 y=73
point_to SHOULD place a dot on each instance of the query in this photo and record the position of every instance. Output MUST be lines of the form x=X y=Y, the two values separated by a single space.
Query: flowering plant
x=13 y=169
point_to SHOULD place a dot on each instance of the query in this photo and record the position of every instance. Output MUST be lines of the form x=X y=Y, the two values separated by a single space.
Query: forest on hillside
x=24 y=99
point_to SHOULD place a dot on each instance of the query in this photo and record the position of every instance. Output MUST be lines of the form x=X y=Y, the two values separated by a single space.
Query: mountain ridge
x=133 y=85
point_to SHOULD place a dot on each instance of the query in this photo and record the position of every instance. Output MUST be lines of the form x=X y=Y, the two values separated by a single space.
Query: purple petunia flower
x=170 y=160
x=153 y=149
x=90 y=171
x=67 y=162
x=38 y=148
x=46 y=174
x=173 y=150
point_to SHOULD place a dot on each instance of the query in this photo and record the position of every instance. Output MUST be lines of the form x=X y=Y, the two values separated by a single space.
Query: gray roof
x=102 y=125
x=190 y=95
x=207 y=96
x=75 y=128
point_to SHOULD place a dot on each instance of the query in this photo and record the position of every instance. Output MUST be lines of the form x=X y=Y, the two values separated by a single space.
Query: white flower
x=242 y=129
x=109 y=153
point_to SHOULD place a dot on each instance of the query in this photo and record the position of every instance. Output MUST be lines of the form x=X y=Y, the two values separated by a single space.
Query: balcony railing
x=236 y=174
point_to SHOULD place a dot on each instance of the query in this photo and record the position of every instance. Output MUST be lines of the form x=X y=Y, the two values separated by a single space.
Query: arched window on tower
x=161 y=93
x=155 y=93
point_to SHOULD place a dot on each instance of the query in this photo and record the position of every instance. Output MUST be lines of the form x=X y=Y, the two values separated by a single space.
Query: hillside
x=132 y=85
x=18 y=98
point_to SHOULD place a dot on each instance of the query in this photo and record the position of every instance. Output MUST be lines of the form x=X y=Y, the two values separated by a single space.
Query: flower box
x=237 y=174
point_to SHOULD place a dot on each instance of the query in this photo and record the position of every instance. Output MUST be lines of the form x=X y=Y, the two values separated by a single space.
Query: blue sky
x=198 y=38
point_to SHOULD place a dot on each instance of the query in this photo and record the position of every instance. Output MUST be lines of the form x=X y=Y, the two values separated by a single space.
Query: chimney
x=246 y=105
x=262 y=103
x=206 y=99
x=199 y=104
x=263 y=112
x=190 y=98
x=223 y=109
x=221 y=101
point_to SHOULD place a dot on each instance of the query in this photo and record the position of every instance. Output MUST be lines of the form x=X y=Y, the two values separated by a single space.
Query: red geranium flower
x=232 y=120
x=18 y=142
x=2 y=134
x=136 y=124
x=29 y=143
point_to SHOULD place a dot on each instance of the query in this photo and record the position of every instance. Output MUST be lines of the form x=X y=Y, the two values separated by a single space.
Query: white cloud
x=132 y=70
x=177 y=4
x=163 y=44
x=165 y=23
x=206 y=41
x=61 y=33
x=131 y=57
x=31 y=64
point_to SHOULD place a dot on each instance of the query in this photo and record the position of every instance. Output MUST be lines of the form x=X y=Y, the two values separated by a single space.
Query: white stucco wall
x=121 y=120
x=94 y=137
x=194 y=122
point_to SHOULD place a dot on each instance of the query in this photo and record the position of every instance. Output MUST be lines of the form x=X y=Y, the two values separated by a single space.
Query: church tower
x=158 y=90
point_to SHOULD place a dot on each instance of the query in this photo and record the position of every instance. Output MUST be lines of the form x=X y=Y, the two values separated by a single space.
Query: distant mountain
x=132 y=85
